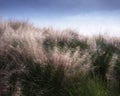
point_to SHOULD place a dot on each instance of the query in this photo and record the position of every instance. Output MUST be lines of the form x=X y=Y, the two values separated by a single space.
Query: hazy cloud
x=61 y=5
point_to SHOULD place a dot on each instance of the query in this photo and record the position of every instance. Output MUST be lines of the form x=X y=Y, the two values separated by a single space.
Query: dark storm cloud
x=59 y=5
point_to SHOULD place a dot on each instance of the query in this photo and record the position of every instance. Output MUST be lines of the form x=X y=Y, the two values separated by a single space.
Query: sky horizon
x=86 y=16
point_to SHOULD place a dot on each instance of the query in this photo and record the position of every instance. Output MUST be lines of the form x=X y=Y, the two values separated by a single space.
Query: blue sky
x=85 y=16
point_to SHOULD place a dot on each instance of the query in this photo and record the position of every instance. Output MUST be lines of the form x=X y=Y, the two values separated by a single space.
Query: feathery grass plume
x=11 y=63
x=45 y=78
x=56 y=39
x=66 y=38
x=110 y=75
x=48 y=62
x=51 y=78
x=10 y=67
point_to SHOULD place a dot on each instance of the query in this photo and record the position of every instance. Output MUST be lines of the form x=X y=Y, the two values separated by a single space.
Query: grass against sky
x=85 y=16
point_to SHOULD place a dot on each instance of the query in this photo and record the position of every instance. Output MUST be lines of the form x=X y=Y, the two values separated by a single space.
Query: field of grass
x=48 y=62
